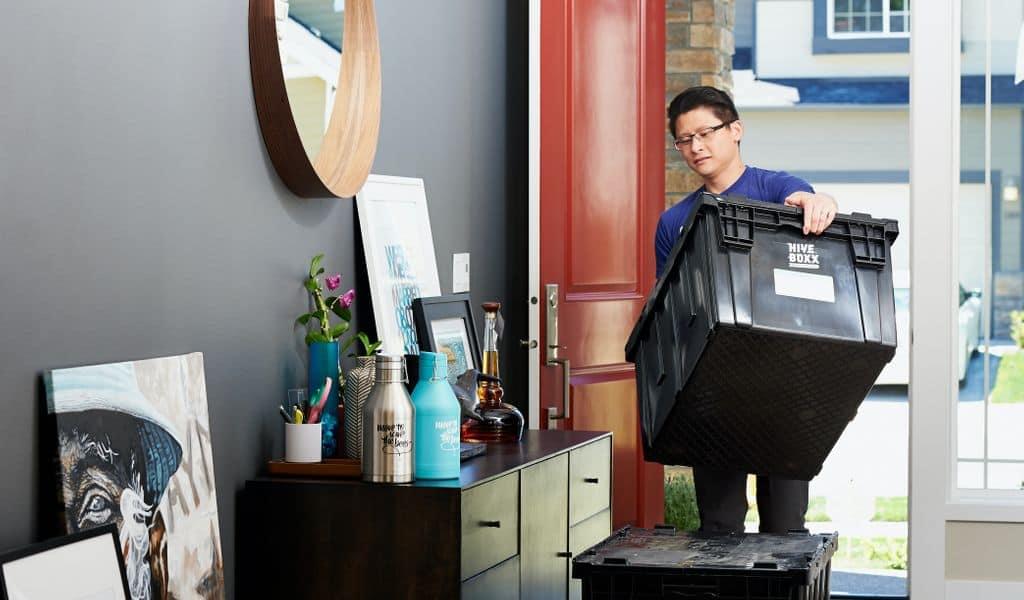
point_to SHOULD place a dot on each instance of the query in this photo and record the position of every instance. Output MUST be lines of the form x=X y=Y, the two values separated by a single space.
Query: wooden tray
x=338 y=468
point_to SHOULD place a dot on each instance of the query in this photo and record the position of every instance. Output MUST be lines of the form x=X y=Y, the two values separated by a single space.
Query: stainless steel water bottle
x=389 y=422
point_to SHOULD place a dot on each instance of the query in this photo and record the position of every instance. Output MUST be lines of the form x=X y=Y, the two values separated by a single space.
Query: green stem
x=318 y=299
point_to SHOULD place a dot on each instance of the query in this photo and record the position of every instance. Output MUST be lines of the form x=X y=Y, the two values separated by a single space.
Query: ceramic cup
x=302 y=443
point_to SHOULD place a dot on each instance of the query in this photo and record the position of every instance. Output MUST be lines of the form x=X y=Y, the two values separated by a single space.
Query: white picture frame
x=81 y=566
x=400 y=260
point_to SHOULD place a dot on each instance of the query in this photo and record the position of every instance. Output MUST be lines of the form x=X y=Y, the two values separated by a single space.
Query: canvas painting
x=134 y=450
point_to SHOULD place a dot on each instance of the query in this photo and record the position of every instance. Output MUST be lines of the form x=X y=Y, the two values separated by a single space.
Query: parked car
x=970 y=328
x=897 y=372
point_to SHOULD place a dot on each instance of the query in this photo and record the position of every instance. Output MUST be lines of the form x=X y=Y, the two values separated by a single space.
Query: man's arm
x=663 y=243
x=819 y=210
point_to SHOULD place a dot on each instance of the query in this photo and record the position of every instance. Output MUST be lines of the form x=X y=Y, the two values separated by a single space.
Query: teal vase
x=323 y=363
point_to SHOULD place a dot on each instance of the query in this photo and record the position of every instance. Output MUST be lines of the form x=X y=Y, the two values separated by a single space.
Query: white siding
x=785 y=32
x=1006 y=19
x=844 y=140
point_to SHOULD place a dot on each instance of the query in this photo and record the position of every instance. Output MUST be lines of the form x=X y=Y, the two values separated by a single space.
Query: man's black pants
x=722 y=501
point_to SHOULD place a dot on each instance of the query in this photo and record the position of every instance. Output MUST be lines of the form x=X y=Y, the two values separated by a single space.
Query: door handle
x=552 y=359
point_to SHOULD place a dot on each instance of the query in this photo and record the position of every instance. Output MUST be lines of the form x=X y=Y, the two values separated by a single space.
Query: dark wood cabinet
x=505 y=529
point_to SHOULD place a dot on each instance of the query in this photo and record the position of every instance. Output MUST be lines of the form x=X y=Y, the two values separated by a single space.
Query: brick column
x=698 y=51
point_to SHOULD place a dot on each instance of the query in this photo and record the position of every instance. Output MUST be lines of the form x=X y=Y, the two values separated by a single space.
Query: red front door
x=602 y=106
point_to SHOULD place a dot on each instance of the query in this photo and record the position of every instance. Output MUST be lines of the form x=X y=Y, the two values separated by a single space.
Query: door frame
x=533 y=218
x=934 y=181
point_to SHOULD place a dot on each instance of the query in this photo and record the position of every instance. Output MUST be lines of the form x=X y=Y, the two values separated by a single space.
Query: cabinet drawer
x=585 y=535
x=497 y=583
x=589 y=480
x=490 y=524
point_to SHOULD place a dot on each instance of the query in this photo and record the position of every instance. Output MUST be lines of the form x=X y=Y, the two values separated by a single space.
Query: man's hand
x=819 y=210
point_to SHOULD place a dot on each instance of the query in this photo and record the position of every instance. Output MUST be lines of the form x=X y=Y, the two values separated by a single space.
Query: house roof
x=893 y=90
x=750 y=92
x=326 y=20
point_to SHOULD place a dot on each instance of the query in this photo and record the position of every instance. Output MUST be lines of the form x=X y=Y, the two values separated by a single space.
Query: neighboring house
x=309 y=33
x=823 y=89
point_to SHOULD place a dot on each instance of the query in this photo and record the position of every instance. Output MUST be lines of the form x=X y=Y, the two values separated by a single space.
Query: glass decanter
x=495 y=421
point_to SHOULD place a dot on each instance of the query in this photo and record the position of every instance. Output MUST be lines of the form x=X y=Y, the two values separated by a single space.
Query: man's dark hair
x=701 y=96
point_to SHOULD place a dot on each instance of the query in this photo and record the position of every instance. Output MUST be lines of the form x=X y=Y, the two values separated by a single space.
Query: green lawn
x=871 y=553
x=815 y=511
x=1009 y=386
x=891 y=509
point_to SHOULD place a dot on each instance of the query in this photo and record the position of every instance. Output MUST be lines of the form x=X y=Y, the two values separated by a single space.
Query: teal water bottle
x=437 y=420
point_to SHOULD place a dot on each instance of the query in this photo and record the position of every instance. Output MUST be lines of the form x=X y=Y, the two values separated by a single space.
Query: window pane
x=895 y=24
x=970 y=475
x=875 y=24
x=1004 y=413
x=895 y=4
x=859 y=24
x=860 y=5
x=842 y=24
x=842 y=6
x=1003 y=476
x=990 y=251
x=876 y=6
x=970 y=429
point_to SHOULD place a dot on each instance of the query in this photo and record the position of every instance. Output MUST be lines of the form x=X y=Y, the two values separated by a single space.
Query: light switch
x=460 y=273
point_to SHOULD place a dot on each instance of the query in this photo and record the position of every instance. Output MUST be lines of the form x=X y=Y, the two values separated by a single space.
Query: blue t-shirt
x=754 y=183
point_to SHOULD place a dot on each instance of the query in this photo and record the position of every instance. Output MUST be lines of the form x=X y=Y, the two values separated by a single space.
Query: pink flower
x=333 y=281
x=348 y=298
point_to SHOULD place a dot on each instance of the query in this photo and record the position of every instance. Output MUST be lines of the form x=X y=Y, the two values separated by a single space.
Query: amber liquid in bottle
x=498 y=421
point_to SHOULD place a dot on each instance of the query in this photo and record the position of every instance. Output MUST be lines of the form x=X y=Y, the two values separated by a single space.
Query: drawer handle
x=590 y=480
x=563 y=554
x=490 y=523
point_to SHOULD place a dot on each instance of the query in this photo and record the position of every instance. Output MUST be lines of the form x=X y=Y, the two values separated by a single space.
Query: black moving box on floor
x=641 y=564
x=758 y=343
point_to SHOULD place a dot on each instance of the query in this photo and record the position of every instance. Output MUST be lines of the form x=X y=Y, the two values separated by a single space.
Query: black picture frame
x=428 y=312
x=36 y=550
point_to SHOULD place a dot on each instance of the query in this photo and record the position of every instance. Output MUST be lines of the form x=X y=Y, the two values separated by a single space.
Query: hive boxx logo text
x=803 y=256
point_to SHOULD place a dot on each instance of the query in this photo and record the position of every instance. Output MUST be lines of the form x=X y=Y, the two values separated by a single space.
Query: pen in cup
x=321 y=401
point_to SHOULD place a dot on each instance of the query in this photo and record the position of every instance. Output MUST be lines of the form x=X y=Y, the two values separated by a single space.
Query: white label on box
x=804 y=285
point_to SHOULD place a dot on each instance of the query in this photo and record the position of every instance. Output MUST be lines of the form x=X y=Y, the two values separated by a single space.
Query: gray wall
x=141 y=217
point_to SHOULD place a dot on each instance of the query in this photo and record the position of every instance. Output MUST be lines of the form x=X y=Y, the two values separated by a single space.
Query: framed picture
x=80 y=566
x=445 y=324
x=400 y=260
x=134 y=449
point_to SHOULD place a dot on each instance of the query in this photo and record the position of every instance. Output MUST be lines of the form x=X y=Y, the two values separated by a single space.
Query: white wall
x=785 y=32
x=847 y=140
x=984 y=558
x=1006 y=20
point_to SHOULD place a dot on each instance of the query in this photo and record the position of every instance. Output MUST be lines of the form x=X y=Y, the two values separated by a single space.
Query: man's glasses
x=686 y=140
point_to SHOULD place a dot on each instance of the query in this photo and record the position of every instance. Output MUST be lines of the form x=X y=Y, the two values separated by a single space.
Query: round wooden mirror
x=316 y=80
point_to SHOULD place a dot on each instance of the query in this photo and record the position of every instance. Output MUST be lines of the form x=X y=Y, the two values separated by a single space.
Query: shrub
x=681 y=503
x=1017 y=327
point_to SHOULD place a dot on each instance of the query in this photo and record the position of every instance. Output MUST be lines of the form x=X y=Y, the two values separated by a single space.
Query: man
x=117 y=456
x=707 y=131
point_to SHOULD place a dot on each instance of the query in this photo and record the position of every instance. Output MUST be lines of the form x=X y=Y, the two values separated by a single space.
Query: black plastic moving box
x=642 y=564
x=758 y=343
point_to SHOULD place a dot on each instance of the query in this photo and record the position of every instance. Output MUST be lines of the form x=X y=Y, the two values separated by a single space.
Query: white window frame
x=860 y=35
x=934 y=179
x=965 y=501
x=934 y=189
